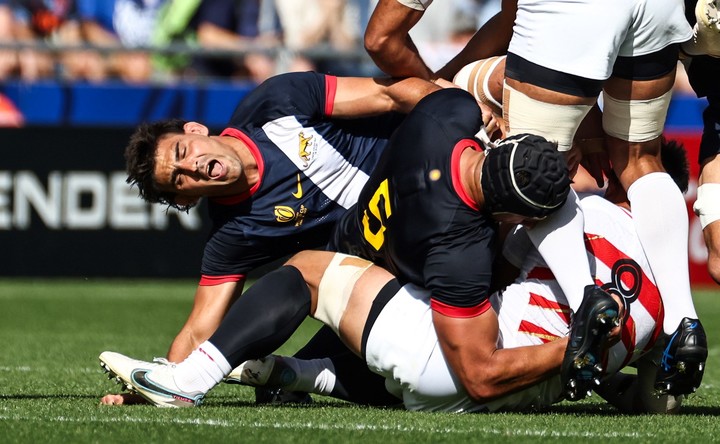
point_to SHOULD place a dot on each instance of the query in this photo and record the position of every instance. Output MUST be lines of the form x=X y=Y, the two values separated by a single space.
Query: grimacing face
x=196 y=165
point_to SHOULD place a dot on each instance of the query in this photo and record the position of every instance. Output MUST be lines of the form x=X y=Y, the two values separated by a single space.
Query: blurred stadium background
x=65 y=209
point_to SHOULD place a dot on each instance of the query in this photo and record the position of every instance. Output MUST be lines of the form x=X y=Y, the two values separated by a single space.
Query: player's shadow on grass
x=228 y=401
x=606 y=410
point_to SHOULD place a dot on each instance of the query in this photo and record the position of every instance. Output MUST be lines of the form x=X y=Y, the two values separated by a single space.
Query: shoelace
x=163 y=361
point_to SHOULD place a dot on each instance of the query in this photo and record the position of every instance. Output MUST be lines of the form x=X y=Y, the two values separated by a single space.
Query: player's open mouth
x=215 y=170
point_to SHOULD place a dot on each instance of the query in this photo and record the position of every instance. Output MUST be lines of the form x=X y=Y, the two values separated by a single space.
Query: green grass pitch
x=51 y=332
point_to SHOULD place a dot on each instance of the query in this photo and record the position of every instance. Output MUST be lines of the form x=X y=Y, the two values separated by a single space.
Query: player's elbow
x=377 y=44
x=486 y=384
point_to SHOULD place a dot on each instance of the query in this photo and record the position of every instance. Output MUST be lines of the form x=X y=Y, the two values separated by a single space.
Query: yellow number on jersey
x=381 y=197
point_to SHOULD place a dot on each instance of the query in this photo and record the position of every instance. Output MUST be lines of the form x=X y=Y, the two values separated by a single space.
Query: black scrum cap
x=525 y=175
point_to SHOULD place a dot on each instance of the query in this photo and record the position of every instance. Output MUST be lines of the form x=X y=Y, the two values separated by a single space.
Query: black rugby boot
x=582 y=365
x=683 y=360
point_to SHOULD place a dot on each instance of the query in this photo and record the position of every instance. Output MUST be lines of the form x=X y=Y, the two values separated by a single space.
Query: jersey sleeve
x=308 y=96
x=230 y=258
x=459 y=277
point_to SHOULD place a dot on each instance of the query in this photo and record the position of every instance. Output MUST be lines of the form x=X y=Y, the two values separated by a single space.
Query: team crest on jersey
x=306 y=148
x=286 y=214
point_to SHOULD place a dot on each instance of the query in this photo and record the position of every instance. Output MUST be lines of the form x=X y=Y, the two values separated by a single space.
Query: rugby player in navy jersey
x=292 y=159
x=428 y=213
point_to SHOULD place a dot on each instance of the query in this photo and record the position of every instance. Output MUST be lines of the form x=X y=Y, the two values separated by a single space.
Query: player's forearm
x=470 y=348
x=210 y=305
x=182 y=346
x=358 y=97
x=406 y=93
x=402 y=60
x=490 y=40
x=514 y=369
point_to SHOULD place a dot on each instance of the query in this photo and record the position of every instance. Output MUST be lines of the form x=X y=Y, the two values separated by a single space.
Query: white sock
x=312 y=375
x=561 y=242
x=202 y=370
x=661 y=220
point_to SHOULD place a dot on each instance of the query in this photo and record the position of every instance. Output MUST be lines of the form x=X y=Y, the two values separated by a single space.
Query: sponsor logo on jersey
x=299 y=193
x=286 y=214
x=306 y=148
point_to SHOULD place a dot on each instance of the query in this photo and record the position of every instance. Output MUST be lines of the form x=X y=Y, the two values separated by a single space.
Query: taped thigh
x=336 y=286
x=475 y=79
x=419 y=5
x=635 y=120
x=707 y=204
x=554 y=122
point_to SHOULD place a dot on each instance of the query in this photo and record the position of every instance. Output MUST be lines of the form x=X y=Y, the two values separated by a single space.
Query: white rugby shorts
x=584 y=37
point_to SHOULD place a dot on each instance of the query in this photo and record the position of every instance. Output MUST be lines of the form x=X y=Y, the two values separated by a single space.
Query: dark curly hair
x=140 y=160
x=675 y=162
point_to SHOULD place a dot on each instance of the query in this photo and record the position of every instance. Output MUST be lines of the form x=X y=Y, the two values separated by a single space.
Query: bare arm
x=211 y=304
x=388 y=43
x=491 y=39
x=485 y=371
x=358 y=97
x=213 y=36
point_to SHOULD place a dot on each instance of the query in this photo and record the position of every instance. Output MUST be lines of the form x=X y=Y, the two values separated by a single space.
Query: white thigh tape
x=556 y=123
x=336 y=286
x=635 y=120
x=475 y=78
x=420 y=5
x=707 y=204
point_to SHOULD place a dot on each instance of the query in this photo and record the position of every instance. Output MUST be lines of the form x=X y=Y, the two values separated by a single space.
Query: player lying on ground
x=390 y=326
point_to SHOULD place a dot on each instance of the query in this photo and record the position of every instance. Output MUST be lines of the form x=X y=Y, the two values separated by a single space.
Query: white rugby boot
x=153 y=381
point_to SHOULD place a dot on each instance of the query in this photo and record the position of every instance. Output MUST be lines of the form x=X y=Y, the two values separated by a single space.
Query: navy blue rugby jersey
x=312 y=168
x=415 y=218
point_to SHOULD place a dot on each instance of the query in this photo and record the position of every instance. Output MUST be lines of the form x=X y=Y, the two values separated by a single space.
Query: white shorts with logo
x=584 y=37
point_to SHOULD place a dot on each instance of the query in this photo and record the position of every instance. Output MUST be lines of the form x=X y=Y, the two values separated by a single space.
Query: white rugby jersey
x=534 y=310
